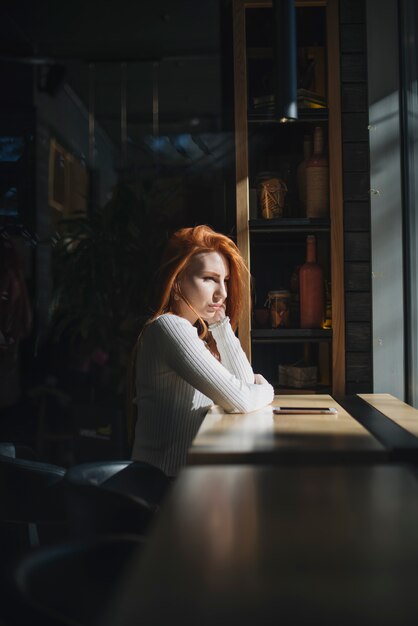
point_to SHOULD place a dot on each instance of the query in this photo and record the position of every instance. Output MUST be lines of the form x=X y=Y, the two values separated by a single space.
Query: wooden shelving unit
x=250 y=232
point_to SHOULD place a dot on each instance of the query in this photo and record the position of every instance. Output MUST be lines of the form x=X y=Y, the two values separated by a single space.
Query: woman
x=188 y=355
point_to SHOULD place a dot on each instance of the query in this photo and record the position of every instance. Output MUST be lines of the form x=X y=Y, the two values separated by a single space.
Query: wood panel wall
x=356 y=184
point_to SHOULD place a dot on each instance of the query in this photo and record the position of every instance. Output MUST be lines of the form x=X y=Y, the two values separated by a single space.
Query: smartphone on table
x=304 y=410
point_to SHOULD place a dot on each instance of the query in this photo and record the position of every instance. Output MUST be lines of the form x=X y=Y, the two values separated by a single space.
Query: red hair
x=181 y=248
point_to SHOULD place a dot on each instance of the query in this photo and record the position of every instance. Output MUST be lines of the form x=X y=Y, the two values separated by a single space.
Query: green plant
x=102 y=270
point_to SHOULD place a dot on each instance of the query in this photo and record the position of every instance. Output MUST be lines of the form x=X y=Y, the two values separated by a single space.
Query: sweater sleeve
x=233 y=356
x=188 y=356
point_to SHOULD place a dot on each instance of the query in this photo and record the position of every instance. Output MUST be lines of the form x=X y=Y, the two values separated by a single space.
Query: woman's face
x=204 y=285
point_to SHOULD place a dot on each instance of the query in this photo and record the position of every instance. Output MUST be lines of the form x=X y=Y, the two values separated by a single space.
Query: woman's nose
x=221 y=291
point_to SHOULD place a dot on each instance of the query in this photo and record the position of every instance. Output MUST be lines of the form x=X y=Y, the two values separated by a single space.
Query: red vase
x=317 y=179
x=311 y=288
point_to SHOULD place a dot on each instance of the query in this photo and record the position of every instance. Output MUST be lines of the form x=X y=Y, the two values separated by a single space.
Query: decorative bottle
x=317 y=179
x=294 y=298
x=301 y=172
x=311 y=288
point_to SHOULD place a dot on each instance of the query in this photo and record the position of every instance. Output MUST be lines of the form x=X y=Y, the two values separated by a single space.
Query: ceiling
x=171 y=50
x=116 y=30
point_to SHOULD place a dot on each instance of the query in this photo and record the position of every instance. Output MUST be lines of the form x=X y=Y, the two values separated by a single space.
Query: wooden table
x=240 y=545
x=393 y=422
x=401 y=413
x=262 y=437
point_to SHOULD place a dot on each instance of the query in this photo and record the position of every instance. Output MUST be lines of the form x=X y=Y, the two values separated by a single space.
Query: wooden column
x=241 y=159
x=336 y=200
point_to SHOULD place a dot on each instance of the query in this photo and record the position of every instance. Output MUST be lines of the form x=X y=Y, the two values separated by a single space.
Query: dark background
x=61 y=65
x=155 y=76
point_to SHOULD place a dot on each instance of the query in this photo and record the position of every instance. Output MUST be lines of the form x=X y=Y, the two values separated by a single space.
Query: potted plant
x=102 y=270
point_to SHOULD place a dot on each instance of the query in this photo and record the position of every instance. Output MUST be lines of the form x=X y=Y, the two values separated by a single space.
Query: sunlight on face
x=203 y=285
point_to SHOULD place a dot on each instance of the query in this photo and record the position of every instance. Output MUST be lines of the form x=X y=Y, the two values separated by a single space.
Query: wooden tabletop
x=401 y=413
x=240 y=545
x=393 y=422
x=262 y=437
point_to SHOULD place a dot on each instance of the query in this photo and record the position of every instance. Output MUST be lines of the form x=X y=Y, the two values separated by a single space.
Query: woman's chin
x=209 y=316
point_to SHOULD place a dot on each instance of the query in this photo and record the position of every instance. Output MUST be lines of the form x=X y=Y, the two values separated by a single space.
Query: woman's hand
x=260 y=380
x=219 y=315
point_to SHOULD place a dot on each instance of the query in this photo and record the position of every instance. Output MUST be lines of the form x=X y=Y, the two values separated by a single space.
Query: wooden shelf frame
x=335 y=175
x=283 y=335
x=290 y=225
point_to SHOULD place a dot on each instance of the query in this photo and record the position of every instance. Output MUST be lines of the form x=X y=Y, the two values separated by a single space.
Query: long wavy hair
x=182 y=246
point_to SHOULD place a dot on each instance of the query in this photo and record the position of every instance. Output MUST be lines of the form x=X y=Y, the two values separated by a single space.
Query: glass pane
x=409 y=38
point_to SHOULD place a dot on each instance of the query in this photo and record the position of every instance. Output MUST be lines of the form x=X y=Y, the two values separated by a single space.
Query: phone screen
x=324 y=410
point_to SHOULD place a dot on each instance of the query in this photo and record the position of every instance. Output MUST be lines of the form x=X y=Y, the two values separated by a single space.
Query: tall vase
x=301 y=173
x=311 y=288
x=317 y=179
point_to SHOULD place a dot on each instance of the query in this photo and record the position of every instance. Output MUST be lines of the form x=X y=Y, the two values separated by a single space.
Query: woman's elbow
x=241 y=405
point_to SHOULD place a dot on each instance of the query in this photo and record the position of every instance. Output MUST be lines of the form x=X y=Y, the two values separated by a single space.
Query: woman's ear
x=176 y=291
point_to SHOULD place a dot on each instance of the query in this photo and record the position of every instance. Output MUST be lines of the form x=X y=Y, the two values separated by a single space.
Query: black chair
x=13 y=451
x=100 y=498
x=31 y=513
x=7 y=449
x=30 y=494
x=142 y=480
x=71 y=583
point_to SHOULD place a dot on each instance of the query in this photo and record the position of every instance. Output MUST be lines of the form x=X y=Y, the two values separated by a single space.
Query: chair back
x=30 y=490
x=142 y=480
x=71 y=583
x=7 y=449
x=95 y=473
x=31 y=507
x=95 y=507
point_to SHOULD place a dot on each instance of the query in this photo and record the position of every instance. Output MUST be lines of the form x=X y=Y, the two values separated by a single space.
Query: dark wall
x=356 y=183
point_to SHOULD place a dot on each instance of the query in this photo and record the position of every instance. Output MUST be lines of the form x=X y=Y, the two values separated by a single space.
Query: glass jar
x=278 y=303
x=271 y=192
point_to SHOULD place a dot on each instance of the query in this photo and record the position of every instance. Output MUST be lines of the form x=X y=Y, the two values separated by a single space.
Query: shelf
x=290 y=224
x=305 y=115
x=291 y=335
x=318 y=389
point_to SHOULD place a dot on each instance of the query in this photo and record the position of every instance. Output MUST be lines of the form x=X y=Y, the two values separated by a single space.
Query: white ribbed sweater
x=178 y=380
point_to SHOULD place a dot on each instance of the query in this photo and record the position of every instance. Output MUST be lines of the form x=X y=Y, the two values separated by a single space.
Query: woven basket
x=298 y=376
